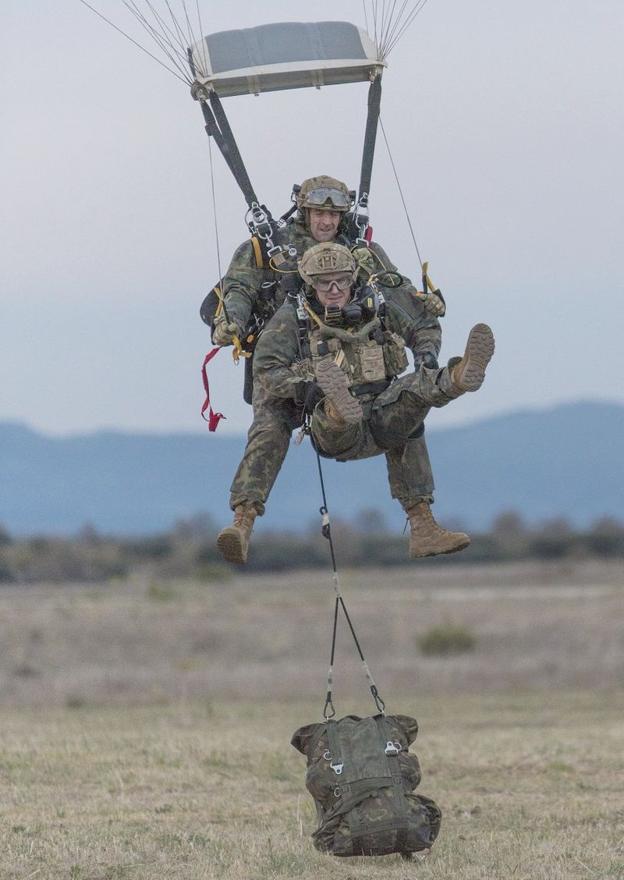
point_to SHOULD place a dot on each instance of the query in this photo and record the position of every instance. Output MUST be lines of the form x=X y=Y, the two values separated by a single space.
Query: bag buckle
x=337 y=768
x=393 y=748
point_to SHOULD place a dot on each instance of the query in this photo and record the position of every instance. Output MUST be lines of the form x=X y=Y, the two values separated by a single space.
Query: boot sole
x=478 y=354
x=334 y=383
x=230 y=547
x=459 y=546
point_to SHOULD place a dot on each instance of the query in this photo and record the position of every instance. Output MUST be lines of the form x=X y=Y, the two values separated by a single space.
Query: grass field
x=145 y=726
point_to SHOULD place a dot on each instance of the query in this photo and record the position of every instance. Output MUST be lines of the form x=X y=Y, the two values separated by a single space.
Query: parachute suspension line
x=201 y=38
x=216 y=224
x=163 y=44
x=417 y=8
x=391 y=21
x=386 y=21
x=396 y=23
x=237 y=350
x=191 y=33
x=376 y=30
x=185 y=79
x=172 y=39
x=329 y=711
x=398 y=182
x=180 y=38
x=365 y=15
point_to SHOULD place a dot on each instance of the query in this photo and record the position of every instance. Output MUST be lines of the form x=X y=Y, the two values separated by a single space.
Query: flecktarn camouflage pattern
x=362 y=778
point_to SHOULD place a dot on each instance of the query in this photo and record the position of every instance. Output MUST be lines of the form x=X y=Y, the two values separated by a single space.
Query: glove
x=434 y=304
x=224 y=333
x=425 y=359
x=308 y=394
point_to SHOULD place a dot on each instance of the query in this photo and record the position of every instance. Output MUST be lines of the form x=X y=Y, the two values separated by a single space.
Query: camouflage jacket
x=244 y=279
x=280 y=366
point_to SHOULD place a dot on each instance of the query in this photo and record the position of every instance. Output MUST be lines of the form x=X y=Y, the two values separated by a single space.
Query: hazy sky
x=506 y=122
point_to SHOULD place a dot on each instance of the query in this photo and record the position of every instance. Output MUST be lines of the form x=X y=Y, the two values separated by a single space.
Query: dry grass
x=531 y=787
x=536 y=626
x=145 y=726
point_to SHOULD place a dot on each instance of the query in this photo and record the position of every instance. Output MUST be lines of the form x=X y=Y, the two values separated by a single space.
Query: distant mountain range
x=565 y=461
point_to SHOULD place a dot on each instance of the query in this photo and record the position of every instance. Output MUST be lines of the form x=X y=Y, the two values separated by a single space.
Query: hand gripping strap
x=213 y=418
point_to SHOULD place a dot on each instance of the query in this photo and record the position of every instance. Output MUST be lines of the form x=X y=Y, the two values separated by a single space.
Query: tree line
x=188 y=549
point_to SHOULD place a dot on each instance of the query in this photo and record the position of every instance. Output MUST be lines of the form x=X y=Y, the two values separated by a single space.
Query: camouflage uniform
x=393 y=419
x=275 y=418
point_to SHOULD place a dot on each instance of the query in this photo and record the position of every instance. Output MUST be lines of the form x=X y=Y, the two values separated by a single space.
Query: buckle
x=393 y=748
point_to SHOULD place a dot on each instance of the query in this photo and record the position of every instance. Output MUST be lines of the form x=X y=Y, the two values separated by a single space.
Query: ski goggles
x=318 y=198
x=320 y=282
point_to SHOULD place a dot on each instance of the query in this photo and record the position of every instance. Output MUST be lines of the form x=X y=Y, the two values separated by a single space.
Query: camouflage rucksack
x=361 y=776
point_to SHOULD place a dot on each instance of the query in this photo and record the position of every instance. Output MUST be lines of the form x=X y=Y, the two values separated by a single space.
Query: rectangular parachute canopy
x=286 y=55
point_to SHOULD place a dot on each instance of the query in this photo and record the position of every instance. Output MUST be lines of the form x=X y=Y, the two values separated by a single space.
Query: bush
x=446 y=639
x=214 y=573
x=159 y=592
x=6 y=573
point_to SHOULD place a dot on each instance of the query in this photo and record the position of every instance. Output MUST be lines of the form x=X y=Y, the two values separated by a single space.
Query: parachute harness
x=329 y=710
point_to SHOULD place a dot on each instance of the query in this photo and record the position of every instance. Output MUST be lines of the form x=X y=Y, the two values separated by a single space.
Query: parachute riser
x=216 y=125
x=368 y=155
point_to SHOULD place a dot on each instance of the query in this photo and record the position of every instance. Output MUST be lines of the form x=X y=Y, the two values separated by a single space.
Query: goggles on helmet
x=324 y=284
x=319 y=198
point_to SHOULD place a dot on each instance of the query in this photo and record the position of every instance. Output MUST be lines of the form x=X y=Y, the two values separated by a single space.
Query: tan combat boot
x=468 y=374
x=340 y=405
x=427 y=538
x=233 y=541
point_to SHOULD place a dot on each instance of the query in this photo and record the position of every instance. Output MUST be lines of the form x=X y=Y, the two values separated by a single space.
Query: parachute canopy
x=285 y=55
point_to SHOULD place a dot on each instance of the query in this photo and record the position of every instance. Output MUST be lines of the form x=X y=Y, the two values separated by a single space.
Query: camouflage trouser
x=392 y=422
x=267 y=445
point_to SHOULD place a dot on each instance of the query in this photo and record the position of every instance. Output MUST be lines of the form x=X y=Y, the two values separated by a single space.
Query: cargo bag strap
x=392 y=749
x=213 y=417
x=335 y=749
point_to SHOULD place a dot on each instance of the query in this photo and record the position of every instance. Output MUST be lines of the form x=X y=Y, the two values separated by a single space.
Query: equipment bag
x=361 y=776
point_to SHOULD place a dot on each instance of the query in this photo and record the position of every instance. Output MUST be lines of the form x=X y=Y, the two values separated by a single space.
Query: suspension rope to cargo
x=329 y=710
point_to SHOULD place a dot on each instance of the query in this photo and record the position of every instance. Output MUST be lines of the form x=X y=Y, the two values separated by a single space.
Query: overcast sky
x=506 y=123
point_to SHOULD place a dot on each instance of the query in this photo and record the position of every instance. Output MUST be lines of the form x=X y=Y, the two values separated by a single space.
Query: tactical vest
x=370 y=356
x=361 y=776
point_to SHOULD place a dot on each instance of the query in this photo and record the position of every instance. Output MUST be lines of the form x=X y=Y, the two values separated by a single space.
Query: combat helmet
x=325 y=259
x=324 y=193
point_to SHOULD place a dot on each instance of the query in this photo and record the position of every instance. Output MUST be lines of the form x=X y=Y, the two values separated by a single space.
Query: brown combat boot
x=233 y=541
x=468 y=374
x=340 y=405
x=427 y=538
